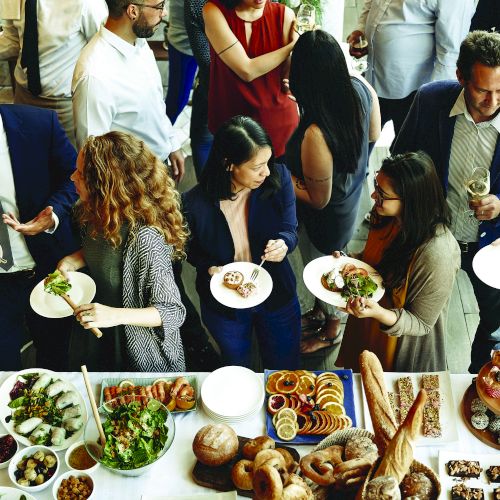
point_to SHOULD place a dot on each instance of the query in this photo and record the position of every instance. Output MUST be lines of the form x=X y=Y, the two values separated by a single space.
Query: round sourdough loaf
x=215 y=444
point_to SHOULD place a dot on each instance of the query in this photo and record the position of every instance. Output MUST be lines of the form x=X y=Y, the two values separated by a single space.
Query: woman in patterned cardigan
x=132 y=228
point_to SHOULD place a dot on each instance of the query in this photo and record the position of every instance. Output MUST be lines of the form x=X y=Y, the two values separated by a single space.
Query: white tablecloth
x=172 y=474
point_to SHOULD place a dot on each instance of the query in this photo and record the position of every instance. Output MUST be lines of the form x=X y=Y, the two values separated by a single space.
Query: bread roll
x=383 y=420
x=215 y=444
x=399 y=454
x=382 y=488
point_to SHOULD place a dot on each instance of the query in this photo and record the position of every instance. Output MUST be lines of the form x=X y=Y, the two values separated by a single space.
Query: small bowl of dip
x=77 y=458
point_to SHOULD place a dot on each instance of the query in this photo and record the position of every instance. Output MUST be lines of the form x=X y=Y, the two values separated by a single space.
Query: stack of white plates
x=232 y=394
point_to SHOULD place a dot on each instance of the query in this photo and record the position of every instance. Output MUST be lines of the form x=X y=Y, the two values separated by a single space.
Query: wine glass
x=306 y=18
x=359 y=50
x=478 y=187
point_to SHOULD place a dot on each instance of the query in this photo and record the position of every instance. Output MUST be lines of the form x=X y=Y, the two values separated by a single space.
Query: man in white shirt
x=410 y=42
x=458 y=124
x=117 y=84
x=63 y=29
x=36 y=162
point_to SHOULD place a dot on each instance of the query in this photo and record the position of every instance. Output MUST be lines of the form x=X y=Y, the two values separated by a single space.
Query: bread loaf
x=383 y=420
x=399 y=453
x=215 y=444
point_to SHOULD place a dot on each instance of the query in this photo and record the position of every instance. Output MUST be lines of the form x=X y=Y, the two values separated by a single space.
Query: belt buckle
x=464 y=246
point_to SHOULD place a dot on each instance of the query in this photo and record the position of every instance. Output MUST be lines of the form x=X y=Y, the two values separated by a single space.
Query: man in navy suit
x=36 y=162
x=458 y=125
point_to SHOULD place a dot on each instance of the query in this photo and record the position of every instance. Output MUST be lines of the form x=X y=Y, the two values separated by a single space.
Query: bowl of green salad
x=139 y=430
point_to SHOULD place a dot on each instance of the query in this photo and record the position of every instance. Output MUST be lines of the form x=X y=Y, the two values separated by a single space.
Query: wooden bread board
x=219 y=478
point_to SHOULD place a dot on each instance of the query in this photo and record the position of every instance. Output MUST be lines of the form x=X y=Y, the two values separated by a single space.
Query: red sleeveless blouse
x=261 y=99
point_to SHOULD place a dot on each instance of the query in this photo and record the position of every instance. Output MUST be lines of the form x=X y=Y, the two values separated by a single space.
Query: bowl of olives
x=33 y=468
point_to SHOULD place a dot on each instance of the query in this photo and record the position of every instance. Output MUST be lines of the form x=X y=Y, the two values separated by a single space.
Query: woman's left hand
x=97 y=315
x=275 y=251
x=362 y=307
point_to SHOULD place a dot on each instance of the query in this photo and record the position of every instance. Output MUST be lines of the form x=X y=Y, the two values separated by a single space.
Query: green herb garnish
x=56 y=284
x=358 y=286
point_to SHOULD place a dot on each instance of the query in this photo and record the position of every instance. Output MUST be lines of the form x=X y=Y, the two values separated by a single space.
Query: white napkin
x=10 y=10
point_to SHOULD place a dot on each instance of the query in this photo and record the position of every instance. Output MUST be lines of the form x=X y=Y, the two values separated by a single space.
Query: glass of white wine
x=306 y=18
x=478 y=187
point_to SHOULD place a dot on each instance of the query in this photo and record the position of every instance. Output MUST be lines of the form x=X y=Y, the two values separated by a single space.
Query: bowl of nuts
x=33 y=468
x=73 y=485
x=8 y=448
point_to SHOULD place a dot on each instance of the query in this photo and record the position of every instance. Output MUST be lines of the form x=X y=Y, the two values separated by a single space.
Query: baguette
x=383 y=420
x=399 y=454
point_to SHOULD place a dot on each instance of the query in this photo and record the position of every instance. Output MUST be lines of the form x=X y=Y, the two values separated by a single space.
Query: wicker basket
x=341 y=437
x=414 y=467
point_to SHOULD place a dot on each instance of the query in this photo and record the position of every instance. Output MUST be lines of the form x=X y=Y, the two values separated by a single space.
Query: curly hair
x=127 y=183
x=481 y=47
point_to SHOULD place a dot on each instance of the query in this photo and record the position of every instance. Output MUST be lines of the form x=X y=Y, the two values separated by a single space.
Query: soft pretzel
x=319 y=465
x=253 y=446
x=351 y=473
x=290 y=464
x=242 y=474
x=267 y=483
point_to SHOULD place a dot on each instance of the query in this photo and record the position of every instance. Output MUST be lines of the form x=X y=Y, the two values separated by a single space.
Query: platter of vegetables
x=39 y=407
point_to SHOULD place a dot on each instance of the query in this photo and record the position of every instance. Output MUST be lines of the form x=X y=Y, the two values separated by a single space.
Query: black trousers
x=395 y=110
x=487 y=336
x=18 y=322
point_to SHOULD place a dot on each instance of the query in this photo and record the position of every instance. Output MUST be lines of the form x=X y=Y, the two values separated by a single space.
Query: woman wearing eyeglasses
x=328 y=157
x=409 y=243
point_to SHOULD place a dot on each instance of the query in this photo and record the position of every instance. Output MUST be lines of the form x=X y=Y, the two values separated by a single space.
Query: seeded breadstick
x=434 y=399
x=431 y=424
x=405 y=387
x=430 y=382
x=394 y=406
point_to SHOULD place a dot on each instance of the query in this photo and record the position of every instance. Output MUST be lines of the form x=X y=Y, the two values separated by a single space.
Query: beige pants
x=61 y=105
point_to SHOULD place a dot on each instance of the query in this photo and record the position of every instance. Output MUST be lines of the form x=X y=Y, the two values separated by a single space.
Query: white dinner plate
x=51 y=306
x=317 y=267
x=486 y=265
x=5 y=411
x=232 y=391
x=7 y=493
x=231 y=298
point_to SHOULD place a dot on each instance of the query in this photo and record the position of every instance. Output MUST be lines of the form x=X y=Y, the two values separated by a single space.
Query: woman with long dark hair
x=328 y=158
x=250 y=45
x=410 y=244
x=132 y=228
x=243 y=209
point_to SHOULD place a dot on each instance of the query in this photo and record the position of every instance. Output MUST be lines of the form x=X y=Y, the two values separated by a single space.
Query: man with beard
x=117 y=85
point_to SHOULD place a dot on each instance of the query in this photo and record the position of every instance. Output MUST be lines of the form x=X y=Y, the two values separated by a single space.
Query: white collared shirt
x=20 y=253
x=117 y=86
x=64 y=28
x=412 y=42
x=473 y=145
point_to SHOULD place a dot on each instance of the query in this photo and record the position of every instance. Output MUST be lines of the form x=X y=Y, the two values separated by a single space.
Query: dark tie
x=6 y=261
x=29 y=57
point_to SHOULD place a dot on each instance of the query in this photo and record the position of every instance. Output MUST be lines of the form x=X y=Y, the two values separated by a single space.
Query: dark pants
x=488 y=298
x=395 y=110
x=201 y=137
x=181 y=71
x=18 y=322
x=199 y=353
x=278 y=334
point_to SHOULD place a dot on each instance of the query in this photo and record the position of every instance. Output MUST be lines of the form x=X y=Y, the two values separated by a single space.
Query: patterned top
x=148 y=280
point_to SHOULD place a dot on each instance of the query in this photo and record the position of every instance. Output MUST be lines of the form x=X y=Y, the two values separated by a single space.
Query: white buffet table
x=172 y=474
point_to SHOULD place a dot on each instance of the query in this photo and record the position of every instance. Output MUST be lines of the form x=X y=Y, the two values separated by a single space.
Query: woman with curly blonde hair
x=132 y=228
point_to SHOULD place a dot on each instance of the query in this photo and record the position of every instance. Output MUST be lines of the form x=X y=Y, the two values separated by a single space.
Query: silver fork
x=255 y=272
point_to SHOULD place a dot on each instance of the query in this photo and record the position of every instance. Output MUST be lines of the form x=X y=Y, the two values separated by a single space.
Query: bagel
x=290 y=464
x=295 y=492
x=274 y=457
x=253 y=446
x=242 y=474
x=267 y=483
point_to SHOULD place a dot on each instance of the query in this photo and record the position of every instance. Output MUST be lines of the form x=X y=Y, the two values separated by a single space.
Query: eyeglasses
x=380 y=196
x=159 y=6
